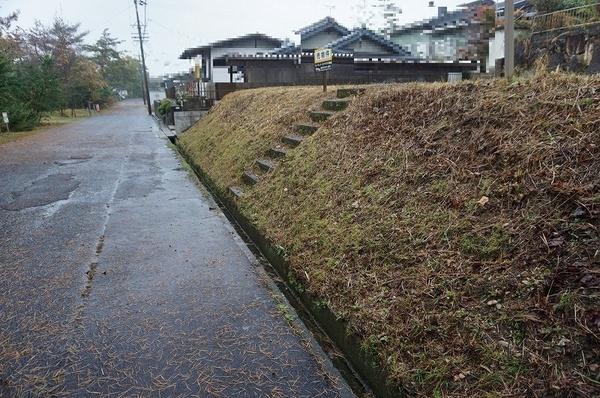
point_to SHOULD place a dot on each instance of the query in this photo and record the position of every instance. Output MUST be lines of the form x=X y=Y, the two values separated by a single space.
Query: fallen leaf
x=555 y=242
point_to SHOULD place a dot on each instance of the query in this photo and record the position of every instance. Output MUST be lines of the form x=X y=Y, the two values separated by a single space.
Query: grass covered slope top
x=455 y=227
x=244 y=126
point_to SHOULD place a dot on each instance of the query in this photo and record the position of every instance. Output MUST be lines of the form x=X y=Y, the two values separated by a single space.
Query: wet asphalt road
x=120 y=277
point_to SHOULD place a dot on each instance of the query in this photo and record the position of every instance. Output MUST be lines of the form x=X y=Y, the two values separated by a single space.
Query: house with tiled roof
x=328 y=33
x=360 y=55
x=366 y=43
x=321 y=33
x=250 y=44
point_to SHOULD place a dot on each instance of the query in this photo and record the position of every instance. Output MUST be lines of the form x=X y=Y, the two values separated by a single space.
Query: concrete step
x=250 y=178
x=277 y=152
x=336 y=104
x=236 y=192
x=265 y=165
x=320 y=116
x=349 y=92
x=293 y=140
x=306 y=128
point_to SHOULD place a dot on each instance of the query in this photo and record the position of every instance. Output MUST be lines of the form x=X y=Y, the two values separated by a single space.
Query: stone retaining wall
x=573 y=50
x=186 y=119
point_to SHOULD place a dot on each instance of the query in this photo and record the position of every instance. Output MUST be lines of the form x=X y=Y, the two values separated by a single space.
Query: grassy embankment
x=455 y=227
x=52 y=119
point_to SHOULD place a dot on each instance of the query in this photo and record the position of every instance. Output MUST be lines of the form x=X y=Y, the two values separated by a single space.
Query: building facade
x=451 y=35
x=251 y=44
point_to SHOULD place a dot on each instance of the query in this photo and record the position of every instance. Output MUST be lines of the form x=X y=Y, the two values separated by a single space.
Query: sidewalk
x=142 y=286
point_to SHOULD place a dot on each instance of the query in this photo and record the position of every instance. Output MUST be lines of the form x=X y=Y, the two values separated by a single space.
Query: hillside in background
x=455 y=227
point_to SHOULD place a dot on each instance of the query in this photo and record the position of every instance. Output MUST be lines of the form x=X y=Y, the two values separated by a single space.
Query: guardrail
x=567 y=18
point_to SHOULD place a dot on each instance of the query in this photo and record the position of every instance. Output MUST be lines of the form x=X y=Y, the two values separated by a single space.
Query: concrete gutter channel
x=358 y=367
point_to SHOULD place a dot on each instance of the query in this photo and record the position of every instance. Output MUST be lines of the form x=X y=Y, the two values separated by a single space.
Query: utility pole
x=142 y=81
x=147 y=91
x=509 y=38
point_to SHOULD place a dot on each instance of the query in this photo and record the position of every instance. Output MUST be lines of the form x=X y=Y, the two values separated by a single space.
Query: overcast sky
x=174 y=25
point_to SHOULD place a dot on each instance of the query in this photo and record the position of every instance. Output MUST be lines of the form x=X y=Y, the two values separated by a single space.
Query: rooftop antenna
x=331 y=8
x=389 y=16
x=364 y=14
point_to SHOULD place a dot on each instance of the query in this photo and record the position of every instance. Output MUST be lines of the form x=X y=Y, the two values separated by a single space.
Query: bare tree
x=11 y=40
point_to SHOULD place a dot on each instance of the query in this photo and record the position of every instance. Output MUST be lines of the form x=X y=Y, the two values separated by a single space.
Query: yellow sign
x=323 y=59
x=197 y=72
x=323 y=55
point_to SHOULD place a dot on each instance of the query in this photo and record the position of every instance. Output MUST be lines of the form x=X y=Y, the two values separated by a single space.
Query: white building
x=248 y=45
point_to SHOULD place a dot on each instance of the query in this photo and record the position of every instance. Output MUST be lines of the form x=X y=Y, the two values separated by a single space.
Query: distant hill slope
x=456 y=227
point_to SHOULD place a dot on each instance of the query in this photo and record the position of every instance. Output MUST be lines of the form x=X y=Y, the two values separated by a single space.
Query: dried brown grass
x=454 y=226
x=244 y=126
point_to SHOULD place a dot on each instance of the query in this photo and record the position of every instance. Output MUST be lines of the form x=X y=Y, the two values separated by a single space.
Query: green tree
x=50 y=67
x=104 y=52
x=10 y=39
x=85 y=84
x=13 y=97
x=39 y=85
x=120 y=71
x=544 y=6
x=124 y=73
x=63 y=42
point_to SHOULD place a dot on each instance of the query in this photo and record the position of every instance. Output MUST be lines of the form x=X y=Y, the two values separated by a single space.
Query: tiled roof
x=325 y=23
x=447 y=20
x=339 y=45
x=192 y=52
x=477 y=3
x=517 y=4
x=287 y=50
x=453 y=18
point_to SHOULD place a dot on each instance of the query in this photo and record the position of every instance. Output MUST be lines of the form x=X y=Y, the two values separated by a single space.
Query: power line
x=173 y=31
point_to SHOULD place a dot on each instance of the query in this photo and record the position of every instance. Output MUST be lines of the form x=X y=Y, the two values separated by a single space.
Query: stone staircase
x=293 y=139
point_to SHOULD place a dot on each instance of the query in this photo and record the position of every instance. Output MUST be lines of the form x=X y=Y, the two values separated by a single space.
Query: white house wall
x=220 y=74
x=319 y=40
x=367 y=46
x=496 y=49
x=447 y=46
x=417 y=43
